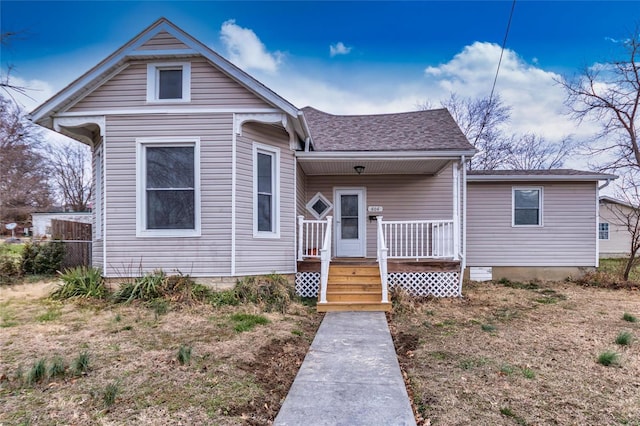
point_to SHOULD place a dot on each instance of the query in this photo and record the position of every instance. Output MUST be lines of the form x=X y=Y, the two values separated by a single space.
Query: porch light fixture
x=359 y=169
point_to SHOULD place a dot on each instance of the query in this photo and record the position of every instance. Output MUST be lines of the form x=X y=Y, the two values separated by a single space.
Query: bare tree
x=24 y=173
x=482 y=121
x=5 y=80
x=71 y=173
x=627 y=217
x=534 y=152
x=609 y=94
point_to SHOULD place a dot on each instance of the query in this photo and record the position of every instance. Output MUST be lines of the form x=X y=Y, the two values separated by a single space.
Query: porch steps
x=354 y=287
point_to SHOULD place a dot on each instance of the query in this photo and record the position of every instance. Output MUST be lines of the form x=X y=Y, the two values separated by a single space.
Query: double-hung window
x=168 y=187
x=266 y=222
x=603 y=230
x=169 y=82
x=527 y=206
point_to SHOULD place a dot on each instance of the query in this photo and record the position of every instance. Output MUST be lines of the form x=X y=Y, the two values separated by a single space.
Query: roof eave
x=523 y=178
x=387 y=155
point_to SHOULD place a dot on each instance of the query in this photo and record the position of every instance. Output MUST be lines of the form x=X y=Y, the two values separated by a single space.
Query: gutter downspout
x=307 y=140
x=463 y=254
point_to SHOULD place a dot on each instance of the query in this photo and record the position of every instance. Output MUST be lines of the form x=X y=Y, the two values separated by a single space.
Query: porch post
x=456 y=212
x=300 y=225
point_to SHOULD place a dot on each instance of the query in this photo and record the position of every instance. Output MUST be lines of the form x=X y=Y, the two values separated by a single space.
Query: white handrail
x=419 y=239
x=311 y=235
x=325 y=259
x=382 y=260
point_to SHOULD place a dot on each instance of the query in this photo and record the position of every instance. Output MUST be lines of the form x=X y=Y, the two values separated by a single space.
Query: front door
x=350 y=222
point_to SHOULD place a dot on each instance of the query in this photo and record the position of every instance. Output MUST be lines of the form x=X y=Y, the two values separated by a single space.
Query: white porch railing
x=382 y=261
x=310 y=237
x=419 y=239
x=314 y=241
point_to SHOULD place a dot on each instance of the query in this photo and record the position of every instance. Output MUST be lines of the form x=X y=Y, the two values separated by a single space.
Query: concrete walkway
x=350 y=376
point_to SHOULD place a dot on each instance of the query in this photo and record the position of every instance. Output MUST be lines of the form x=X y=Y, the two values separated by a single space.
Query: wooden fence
x=76 y=237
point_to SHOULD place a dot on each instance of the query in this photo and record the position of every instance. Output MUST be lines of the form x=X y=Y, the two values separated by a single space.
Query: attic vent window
x=319 y=206
x=169 y=82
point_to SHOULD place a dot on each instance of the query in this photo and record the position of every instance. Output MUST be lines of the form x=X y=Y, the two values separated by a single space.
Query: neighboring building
x=41 y=222
x=614 y=236
x=527 y=224
x=201 y=169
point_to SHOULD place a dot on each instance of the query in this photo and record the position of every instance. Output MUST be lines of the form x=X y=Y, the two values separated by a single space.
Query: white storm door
x=350 y=223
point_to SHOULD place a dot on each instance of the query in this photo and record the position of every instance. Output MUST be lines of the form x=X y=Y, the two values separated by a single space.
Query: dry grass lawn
x=521 y=354
x=232 y=377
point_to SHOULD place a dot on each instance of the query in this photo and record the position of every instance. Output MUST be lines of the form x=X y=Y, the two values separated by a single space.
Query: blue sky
x=387 y=56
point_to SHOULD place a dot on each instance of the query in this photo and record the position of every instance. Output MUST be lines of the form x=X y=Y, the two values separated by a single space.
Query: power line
x=495 y=79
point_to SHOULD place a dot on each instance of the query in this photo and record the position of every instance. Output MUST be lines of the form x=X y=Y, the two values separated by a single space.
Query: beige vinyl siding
x=264 y=255
x=567 y=237
x=403 y=197
x=163 y=41
x=619 y=242
x=210 y=88
x=207 y=255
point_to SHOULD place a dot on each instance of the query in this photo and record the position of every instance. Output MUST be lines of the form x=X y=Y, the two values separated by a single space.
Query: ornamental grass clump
x=81 y=282
x=272 y=292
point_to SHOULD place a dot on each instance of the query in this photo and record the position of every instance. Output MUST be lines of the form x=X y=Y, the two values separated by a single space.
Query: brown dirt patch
x=232 y=378
x=521 y=355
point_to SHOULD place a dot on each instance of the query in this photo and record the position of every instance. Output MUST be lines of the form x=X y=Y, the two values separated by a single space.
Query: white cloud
x=246 y=50
x=339 y=49
x=537 y=100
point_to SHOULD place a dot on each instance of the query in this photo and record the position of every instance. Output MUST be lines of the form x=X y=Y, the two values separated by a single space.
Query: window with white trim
x=169 y=82
x=603 y=230
x=527 y=206
x=168 y=187
x=266 y=211
x=319 y=206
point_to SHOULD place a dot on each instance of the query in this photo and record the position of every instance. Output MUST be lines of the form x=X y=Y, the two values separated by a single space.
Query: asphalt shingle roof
x=551 y=172
x=432 y=130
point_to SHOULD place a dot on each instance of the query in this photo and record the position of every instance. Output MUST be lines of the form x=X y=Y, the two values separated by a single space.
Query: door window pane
x=349 y=205
x=349 y=228
x=170 y=84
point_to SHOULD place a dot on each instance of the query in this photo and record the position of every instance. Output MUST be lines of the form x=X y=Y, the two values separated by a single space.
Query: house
x=41 y=221
x=199 y=168
x=613 y=233
x=532 y=224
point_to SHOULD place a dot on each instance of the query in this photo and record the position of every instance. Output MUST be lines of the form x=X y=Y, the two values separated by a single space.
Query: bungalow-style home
x=613 y=228
x=199 y=168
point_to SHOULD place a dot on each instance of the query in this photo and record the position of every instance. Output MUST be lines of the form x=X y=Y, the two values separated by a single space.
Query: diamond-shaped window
x=319 y=206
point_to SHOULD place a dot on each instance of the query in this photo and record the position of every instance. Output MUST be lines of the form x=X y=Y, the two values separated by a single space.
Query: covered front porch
x=421 y=257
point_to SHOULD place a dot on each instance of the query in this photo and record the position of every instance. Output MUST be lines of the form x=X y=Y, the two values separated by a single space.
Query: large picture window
x=527 y=206
x=168 y=193
x=169 y=82
x=265 y=184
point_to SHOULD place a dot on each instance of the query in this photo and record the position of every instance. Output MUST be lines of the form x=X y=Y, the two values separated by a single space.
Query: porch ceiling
x=336 y=166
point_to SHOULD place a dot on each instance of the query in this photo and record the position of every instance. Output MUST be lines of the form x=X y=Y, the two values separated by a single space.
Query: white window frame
x=274 y=152
x=540 y=206
x=153 y=81
x=315 y=199
x=141 y=196
x=608 y=231
x=97 y=196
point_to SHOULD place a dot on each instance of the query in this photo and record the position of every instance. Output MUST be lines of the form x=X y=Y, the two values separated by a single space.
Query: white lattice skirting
x=439 y=284
x=307 y=284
